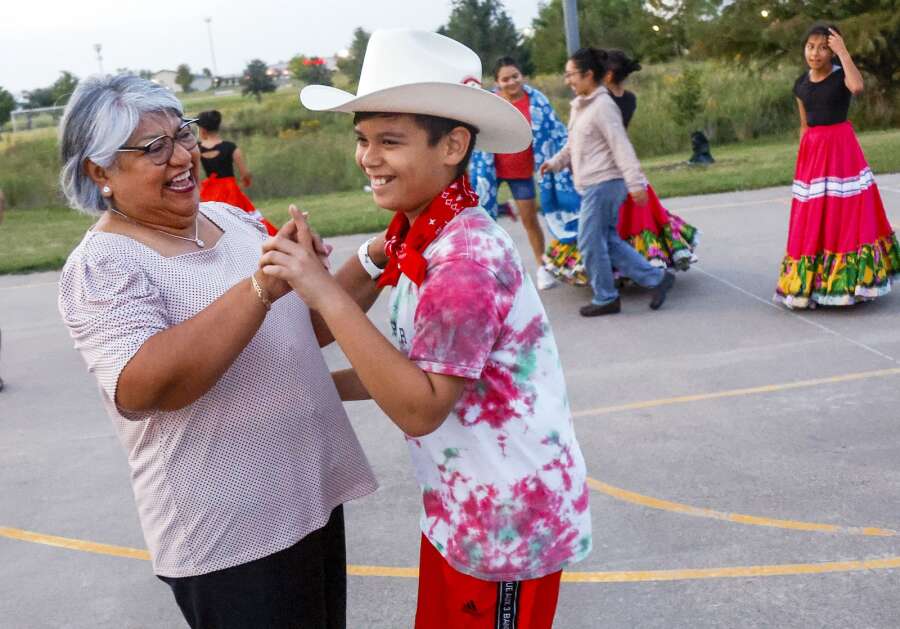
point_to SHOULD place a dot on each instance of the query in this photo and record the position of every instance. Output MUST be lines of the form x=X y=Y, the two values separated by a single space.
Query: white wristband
x=367 y=263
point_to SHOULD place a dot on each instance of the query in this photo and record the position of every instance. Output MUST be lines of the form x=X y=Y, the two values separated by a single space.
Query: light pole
x=97 y=49
x=212 y=50
x=570 y=19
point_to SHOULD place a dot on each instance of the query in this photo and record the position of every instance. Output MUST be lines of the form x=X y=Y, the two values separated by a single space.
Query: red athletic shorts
x=449 y=599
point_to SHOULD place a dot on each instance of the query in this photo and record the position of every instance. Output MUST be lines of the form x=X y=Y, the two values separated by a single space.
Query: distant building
x=166 y=78
x=279 y=72
x=201 y=83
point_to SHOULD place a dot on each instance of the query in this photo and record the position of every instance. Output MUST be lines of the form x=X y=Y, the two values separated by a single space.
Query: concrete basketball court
x=745 y=459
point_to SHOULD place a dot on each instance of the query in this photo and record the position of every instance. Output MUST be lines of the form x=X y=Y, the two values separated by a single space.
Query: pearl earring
x=106 y=191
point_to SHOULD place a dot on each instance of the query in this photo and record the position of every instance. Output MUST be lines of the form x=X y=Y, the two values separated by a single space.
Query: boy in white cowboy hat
x=473 y=377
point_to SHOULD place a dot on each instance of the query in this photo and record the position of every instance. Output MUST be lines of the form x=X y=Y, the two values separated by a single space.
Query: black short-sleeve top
x=827 y=101
x=627 y=103
x=221 y=161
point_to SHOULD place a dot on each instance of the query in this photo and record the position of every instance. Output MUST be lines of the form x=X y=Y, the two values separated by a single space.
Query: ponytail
x=621 y=65
x=591 y=59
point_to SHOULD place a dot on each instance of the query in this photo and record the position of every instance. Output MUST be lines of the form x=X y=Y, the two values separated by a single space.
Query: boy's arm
x=357 y=283
x=349 y=386
x=415 y=400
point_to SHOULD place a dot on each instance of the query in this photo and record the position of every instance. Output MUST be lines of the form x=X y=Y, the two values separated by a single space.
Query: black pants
x=301 y=587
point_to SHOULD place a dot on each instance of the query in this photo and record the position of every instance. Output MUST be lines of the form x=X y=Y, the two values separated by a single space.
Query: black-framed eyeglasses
x=572 y=73
x=160 y=149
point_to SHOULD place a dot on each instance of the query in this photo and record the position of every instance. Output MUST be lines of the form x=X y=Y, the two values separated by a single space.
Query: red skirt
x=226 y=190
x=663 y=238
x=841 y=247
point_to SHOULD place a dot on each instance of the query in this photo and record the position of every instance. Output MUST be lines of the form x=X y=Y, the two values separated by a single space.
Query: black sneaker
x=594 y=310
x=660 y=290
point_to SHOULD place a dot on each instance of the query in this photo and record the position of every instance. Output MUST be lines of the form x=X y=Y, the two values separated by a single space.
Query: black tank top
x=827 y=101
x=223 y=163
x=627 y=103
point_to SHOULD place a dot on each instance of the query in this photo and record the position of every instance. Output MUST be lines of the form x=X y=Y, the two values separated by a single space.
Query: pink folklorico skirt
x=841 y=249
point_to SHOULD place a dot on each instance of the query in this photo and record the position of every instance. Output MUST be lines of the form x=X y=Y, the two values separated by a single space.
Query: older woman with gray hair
x=241 y=454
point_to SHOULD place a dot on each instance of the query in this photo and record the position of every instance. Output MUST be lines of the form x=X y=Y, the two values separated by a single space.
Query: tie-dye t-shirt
x=503 y=479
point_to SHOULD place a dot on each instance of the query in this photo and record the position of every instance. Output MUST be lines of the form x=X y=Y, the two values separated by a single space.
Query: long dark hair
x=591 y=59
x=621 y=65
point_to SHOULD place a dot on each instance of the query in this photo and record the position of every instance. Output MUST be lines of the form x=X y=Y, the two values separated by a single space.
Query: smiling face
x=818 y=54
x=404 y=170
x=582 y=83
x=165 y=194
x=510 y=81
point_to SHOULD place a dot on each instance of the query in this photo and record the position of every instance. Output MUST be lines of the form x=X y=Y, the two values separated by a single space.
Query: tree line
x=752 y=33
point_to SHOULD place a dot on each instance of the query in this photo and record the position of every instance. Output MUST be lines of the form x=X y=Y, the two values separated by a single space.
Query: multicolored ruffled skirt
x=841 y=248
x=663 y=238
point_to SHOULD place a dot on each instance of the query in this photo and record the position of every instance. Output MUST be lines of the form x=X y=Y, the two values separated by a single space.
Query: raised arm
x=415 y=400
x=852 y=77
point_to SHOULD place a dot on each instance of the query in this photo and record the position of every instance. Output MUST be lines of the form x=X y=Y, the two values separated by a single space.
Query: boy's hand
x=292 y=258
x=289 y=230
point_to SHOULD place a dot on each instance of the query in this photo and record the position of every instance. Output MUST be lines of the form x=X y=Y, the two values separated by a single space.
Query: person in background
x=663 y=238
x=219 y=157
x=559 y=200
x=606 y=170
x=841 y=248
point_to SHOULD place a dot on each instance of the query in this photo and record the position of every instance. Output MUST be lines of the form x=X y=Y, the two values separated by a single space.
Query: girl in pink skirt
x=841 y=248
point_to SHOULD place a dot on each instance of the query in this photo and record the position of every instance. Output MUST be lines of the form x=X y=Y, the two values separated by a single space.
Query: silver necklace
x=197 y=241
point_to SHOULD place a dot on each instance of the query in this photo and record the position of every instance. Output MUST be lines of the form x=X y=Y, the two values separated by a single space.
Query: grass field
x=40 y=239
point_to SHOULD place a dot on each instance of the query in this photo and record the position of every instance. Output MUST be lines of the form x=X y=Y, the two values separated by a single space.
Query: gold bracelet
x=261 y=293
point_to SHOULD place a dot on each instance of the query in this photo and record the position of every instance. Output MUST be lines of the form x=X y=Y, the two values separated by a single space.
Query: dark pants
x=301 y=587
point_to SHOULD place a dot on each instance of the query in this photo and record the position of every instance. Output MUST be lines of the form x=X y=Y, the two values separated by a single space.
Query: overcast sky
x=39 y=38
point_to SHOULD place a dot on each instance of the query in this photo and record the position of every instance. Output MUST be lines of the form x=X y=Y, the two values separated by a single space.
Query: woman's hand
x=292 y=257
x=639 y=196
x=544 y=169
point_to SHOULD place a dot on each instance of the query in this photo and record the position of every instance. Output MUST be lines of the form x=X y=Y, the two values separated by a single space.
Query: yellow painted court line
x=790 y=569
x=569 y=577
x=769 y=388
x=74 y=544
x=738 y=518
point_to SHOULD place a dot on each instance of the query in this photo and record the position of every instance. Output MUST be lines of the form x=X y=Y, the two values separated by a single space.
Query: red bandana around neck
x=404 y=245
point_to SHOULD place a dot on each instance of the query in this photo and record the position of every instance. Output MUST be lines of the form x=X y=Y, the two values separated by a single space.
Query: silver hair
x=101 y=115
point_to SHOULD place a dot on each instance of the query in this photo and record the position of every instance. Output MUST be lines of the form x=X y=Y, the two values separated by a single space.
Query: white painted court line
x=798 y=316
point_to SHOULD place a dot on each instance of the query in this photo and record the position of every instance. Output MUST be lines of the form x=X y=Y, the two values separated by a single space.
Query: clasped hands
x=297 y=258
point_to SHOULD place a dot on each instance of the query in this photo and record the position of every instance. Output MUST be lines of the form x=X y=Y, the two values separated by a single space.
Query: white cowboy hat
x=419 y=72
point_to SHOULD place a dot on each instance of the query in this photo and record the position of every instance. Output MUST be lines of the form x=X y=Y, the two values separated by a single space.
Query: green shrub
x=28 y=173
